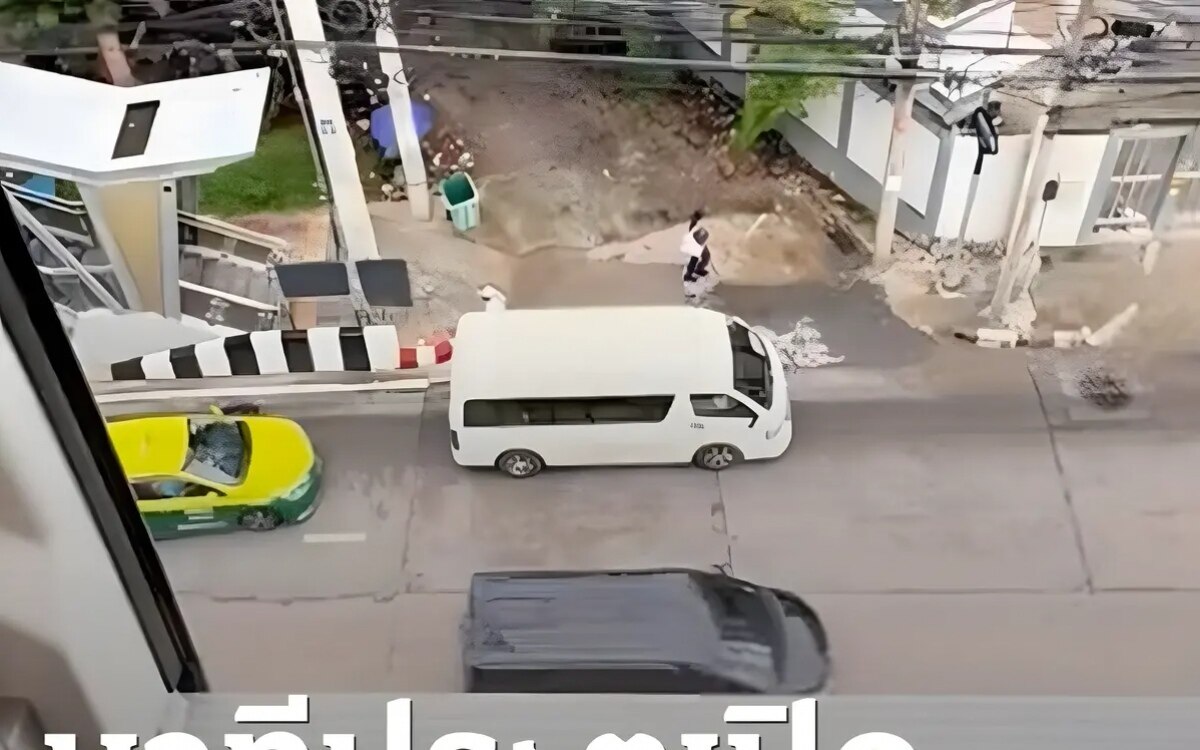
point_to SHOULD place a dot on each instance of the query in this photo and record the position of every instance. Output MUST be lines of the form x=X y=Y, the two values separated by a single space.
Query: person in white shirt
x=695 y=246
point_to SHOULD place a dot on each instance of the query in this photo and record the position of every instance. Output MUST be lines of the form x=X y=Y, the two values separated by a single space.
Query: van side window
x=566 y=411
x=720 y=405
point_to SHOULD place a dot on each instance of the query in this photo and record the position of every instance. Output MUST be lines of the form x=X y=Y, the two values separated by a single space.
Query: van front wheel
x=519 y=463
x=717 y=457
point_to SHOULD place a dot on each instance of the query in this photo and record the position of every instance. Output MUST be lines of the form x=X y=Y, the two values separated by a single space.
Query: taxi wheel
x=259 y=519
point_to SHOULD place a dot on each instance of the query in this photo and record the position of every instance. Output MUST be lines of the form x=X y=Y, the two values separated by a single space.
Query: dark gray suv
x=644 y=631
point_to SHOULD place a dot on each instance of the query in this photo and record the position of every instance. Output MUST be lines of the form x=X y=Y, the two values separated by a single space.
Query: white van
x=614 y=385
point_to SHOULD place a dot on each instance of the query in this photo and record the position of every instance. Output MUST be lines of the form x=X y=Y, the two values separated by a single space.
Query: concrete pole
x=889 y=204
x=1012 y=253
x=893 y=175
x=416 y=182
x=352 y=221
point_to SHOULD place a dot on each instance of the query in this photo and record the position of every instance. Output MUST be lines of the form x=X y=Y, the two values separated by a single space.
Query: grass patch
x=67 y=190
x=278 y=178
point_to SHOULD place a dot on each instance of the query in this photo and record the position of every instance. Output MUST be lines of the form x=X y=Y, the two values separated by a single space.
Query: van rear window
x=565 y=411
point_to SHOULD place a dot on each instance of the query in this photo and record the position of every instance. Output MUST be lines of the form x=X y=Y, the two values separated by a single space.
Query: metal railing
x=228 y=238
x=224 y=309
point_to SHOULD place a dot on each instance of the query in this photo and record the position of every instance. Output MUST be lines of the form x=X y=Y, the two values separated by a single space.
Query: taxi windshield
x=217 y=450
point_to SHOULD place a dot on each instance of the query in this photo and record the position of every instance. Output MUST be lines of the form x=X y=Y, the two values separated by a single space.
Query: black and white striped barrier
x=367 y=349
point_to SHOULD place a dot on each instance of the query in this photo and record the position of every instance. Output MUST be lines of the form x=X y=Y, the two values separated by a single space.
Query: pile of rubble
x=705 y=117
x=800 y=348
x=445 y=153
x=949 y=270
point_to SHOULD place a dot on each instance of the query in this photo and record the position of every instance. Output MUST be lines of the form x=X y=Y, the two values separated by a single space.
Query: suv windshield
x=217 y=450
x=751 y=652
x=751 y=368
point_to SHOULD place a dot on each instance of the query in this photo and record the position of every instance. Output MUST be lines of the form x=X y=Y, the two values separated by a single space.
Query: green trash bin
x=461 y=200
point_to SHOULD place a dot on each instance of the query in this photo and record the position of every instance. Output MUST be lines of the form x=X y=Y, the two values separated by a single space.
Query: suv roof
x=613 y=619
x=564 y=619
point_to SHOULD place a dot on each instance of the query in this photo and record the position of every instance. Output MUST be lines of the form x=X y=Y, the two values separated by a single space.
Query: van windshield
x=751 y=368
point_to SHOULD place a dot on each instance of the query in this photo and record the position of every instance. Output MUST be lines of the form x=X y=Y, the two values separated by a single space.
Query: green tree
x=769 y=95
x=51 y=23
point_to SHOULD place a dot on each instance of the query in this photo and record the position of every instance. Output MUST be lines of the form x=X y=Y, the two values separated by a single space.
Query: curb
x=991 y=338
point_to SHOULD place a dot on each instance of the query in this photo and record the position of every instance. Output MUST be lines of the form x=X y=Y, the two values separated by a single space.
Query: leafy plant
x=770 y=95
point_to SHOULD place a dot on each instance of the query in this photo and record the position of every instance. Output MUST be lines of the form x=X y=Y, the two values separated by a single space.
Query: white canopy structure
x=125 y=148
x=97 y=134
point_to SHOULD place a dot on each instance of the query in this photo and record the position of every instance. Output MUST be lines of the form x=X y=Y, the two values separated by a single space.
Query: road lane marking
x=332 y=538
x=416 y=384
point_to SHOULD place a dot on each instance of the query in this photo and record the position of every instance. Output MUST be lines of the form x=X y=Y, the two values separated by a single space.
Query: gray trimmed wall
x=835 y=162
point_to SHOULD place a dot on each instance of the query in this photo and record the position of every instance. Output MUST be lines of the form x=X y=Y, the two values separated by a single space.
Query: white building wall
x=870 y=132
x=824 y=116
x=870 y=138
x=1075 y=163
x=921 y=148
x=999 y=183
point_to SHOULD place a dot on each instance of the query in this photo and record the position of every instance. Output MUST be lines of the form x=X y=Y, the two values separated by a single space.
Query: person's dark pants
x=697 y=265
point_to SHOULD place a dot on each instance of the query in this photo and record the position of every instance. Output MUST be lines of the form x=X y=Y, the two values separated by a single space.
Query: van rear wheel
x=520 y=463
x=717 y=456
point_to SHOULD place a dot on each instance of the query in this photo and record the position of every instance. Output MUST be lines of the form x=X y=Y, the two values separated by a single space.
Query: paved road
x=965 y=543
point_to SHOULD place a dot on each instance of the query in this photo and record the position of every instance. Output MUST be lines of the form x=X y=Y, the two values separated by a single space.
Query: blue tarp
x=383 y=129
x=40 y=184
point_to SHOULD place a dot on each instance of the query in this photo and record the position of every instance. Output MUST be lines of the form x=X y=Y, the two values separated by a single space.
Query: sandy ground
x=618 y=159
x=308 y=232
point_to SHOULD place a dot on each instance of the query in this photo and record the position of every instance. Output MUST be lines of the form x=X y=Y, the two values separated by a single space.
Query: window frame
x=49 y=361
x=747 y=404
x=517 y=402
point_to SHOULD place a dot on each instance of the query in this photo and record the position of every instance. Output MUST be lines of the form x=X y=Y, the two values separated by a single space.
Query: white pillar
x=889 y=203
x=106 y=240
x=416 y=182
x=168 y=229
x=351 y=219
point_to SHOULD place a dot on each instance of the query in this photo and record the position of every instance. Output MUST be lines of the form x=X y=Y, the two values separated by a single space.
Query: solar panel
x=314 y=279
x=385 y=282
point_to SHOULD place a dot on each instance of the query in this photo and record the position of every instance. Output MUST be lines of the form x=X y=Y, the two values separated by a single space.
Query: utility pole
x=412 y=161
x=893 y=176
x=1012 y=253
x=889 y=204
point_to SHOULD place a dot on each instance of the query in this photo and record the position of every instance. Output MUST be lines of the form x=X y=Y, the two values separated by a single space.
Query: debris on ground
x=1019 y=315
x=1105 y=334
x=801 y=348
x=1104 y=389
x=445 y=153
x=937 y=284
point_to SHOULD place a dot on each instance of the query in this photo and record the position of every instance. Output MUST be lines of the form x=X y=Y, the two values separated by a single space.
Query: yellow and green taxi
x=194 y=473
